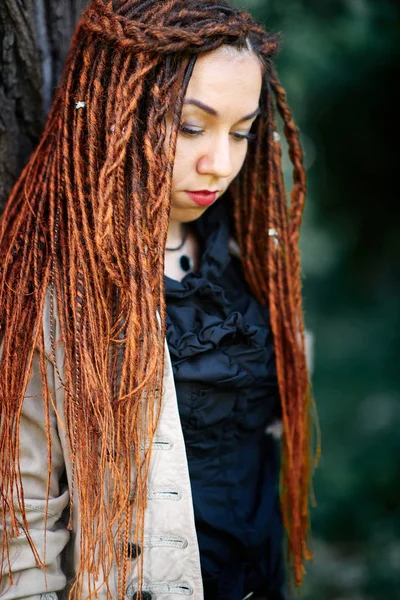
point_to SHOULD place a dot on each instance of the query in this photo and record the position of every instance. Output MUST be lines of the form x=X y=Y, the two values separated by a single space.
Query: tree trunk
x=34 y=41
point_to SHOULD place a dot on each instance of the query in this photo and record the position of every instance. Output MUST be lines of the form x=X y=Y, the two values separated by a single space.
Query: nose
x=216 y=160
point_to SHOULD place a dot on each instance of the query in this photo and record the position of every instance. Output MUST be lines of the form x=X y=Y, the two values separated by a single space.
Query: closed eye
x=197 y=131
x=191 y=131
x=244 y=136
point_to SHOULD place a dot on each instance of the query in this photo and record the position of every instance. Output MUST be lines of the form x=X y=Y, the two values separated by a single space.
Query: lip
x=202 y=197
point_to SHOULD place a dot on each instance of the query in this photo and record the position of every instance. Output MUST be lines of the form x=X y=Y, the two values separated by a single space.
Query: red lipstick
x=203 y=197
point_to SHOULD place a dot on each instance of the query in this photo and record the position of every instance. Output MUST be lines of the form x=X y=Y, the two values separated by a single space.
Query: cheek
x=238 y=157
x=185 y=160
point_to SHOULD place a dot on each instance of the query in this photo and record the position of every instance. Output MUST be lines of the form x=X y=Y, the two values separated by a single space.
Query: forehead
x=227 y=80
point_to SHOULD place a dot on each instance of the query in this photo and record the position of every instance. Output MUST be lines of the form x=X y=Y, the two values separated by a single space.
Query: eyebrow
x=215 y=113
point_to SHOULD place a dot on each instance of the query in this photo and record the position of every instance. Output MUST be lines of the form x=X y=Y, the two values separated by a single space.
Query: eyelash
x=198 y=132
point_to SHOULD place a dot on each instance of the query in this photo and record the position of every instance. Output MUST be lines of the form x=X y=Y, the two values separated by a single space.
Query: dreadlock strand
x=299 y=187
x=295 y=405
x=295 y=154
x=108 y=172
x=253 y=246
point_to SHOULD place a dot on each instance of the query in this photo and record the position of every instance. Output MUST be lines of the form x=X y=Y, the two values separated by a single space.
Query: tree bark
x=34 y=41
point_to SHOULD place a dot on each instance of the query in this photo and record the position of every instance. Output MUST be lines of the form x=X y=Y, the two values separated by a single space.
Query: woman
x=149 y=261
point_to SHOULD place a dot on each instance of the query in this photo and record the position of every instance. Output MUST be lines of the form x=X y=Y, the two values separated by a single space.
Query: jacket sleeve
x=50 y=535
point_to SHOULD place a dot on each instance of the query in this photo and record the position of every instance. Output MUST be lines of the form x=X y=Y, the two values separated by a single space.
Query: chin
x=186 y=215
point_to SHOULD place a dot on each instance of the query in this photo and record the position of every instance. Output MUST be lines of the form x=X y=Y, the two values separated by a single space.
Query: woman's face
x=220 y=106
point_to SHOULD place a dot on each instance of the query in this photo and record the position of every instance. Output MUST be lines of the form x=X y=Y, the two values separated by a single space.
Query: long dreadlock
x=86 y=226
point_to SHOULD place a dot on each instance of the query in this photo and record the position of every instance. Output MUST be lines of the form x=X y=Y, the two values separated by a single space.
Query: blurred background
x=338 y=64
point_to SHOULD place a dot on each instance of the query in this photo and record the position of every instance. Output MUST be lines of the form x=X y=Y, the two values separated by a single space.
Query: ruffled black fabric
x=222 y=354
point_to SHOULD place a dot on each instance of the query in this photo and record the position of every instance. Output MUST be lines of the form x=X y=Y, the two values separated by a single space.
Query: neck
x=175 y=234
